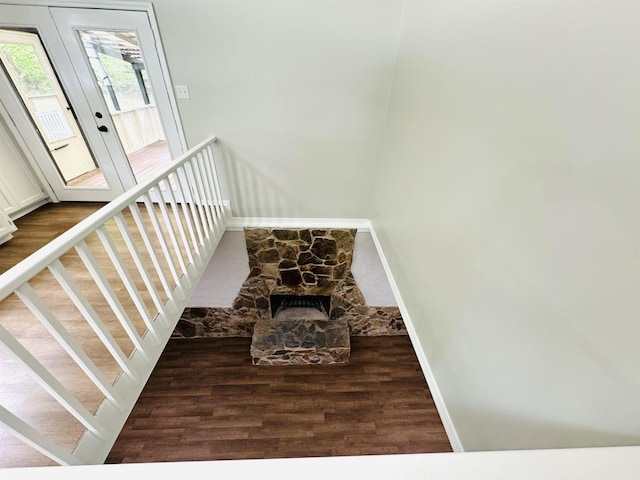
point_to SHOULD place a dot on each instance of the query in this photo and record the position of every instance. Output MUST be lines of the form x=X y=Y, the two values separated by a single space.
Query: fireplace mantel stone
x=294 y=262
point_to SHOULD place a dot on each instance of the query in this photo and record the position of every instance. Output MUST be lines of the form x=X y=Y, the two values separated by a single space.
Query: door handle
x=60 y=147
x=103 y=128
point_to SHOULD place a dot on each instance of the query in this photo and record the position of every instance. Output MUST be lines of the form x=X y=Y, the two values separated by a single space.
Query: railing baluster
x=172 y=234
x=164 y=246
x=178 y=220
x=215 y=188
x=206 y=184
x=198 y=200
x=142 y=270
x=202 y=166
x=91 y=316
x=43 y=313
x=196 y=163
x=126 y=278
x=210 y=169
x=183 y=174
x=109 y=295
x=186 y=210
x=50 y=383
x=35 y=439
x=216 y=179
x=195 y=226
x=146 y=239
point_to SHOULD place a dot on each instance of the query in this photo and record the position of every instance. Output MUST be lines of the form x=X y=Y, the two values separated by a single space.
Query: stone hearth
x=300 y=335
x=300 y=342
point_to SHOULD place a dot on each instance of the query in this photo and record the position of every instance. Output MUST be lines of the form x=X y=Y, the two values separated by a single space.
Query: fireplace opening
x=279 y=303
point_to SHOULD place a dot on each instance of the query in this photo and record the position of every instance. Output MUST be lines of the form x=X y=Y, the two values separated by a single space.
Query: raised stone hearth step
x=300 y=342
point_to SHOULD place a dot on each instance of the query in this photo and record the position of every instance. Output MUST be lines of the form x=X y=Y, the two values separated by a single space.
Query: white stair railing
x=126 y=273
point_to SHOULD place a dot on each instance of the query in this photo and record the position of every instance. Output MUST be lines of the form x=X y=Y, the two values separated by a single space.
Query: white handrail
x=191 y=187
x=30 y=266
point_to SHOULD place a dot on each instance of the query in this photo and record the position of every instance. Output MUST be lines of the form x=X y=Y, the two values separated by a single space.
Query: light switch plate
x=182 y=91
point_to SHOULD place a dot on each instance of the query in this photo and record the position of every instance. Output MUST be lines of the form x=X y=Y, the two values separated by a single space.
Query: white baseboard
x=238 y=223
x=30 y=207
x=449 y=428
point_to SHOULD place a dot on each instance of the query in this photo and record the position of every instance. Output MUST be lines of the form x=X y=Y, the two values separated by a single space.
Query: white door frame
x=24 y=132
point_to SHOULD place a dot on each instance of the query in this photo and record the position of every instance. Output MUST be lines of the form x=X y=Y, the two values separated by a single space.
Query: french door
x=101 y=118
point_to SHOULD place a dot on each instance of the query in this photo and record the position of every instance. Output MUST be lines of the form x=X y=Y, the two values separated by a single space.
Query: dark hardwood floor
x=41 y=226
x=205 y=401
x=19 y=393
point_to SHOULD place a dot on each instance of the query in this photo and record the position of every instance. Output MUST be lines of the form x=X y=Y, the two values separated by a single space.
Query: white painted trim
x=28 y=209
x=620 y=463
x=238 y=223
x=5 y=238
x=97 y=5
x=454 y=439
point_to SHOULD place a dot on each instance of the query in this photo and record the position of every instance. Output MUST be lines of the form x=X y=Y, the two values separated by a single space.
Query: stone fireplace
x=294 y=264
x=296 y=274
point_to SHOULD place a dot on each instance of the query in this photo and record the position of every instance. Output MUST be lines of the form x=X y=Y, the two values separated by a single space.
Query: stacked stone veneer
x=294 y=262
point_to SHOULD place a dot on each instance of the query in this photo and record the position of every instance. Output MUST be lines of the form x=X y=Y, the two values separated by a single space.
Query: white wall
x=509 y=210
x=296 y=91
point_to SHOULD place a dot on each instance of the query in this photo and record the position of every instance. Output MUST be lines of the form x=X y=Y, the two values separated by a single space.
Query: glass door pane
x=117 y=60
x=119 y=70
x=27 y=65
x=116 y=57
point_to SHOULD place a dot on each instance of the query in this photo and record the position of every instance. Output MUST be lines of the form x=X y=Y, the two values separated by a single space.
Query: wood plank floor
x=206 y=401
x=34 y=231
x=41 y=226
x=19 y=392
